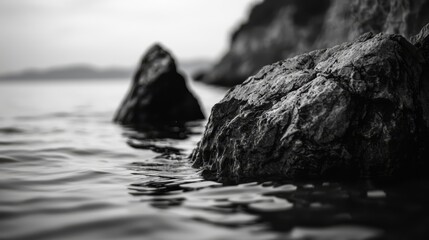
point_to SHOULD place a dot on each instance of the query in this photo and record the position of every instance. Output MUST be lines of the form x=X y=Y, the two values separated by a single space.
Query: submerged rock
x=351 y=111
x=276 y=30
x=158 y=93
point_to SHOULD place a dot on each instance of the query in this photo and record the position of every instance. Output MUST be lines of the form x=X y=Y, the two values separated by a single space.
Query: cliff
x=276 y=30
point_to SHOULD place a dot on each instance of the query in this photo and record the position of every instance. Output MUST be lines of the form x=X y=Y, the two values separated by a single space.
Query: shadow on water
x=171 y=163
x=171 y=130
x=162 y=138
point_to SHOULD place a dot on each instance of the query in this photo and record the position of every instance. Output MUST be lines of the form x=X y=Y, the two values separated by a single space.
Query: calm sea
x=68 y=172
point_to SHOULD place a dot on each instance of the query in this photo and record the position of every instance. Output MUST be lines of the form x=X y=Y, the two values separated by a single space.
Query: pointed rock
x=421 y=41
x=158 y=93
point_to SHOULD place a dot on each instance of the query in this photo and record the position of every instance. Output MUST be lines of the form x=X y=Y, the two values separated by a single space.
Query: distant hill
x=89 y=72
x=69 y=72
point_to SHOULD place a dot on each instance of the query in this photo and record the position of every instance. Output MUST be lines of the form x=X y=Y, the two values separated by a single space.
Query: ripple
x=199 y=185
x=76 y=151
x=335 y=233
x=60 y=177
x=64 y=205
x=284 y=188
x=158 y=148
x=18 y=143
x=271 y=206
x=240 y=190
x=6 y=159
x=205 y=204
x=376 y=194
x=12 y=130
x=227 y=219
x=248 y=198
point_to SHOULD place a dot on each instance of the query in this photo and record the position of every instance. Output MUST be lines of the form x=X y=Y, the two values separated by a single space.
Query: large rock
x=158 y=93
x=276 y=30
x=349 y=111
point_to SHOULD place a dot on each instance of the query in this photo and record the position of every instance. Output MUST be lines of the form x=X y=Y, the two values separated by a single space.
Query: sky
x=105 y=33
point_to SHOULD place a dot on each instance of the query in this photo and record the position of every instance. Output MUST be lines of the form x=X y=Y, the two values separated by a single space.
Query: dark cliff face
x=421 y=42
x=277 y=30
x=158 y=93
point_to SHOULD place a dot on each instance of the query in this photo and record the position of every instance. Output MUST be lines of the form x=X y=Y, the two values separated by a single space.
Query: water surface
x=67 y=172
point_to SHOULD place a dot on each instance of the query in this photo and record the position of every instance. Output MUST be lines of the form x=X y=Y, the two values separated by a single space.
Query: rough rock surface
x=349 y=111
x=421 y=42
x=276 y=30
x=158 y=93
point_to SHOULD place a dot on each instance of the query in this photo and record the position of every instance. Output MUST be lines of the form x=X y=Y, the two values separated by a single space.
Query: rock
x=421 y=41
x=351 y=111
x=199 y=75
x=158 y=93
x=276 y=30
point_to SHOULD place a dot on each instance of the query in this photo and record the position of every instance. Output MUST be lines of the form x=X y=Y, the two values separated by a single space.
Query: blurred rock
x=351 y=111
x=276 y=30
x=421 y=41
x=199 y=75
x=158 y=93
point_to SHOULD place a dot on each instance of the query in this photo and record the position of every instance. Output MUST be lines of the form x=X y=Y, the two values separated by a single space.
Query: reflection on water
x=67 y=172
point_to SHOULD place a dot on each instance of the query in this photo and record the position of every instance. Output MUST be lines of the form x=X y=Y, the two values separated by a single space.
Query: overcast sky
x=45 y=33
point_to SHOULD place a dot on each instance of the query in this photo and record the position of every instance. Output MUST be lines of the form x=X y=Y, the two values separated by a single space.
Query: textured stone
x=158 y=93
x=276 y=30
x=421 y=42
x=351 y=111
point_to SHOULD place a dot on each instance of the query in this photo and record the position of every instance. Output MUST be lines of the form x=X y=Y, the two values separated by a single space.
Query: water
x=67 y=172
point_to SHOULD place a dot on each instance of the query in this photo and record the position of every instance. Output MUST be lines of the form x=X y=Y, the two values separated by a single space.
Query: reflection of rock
x=348 y=111
x=158 y=93
x=276 y=30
